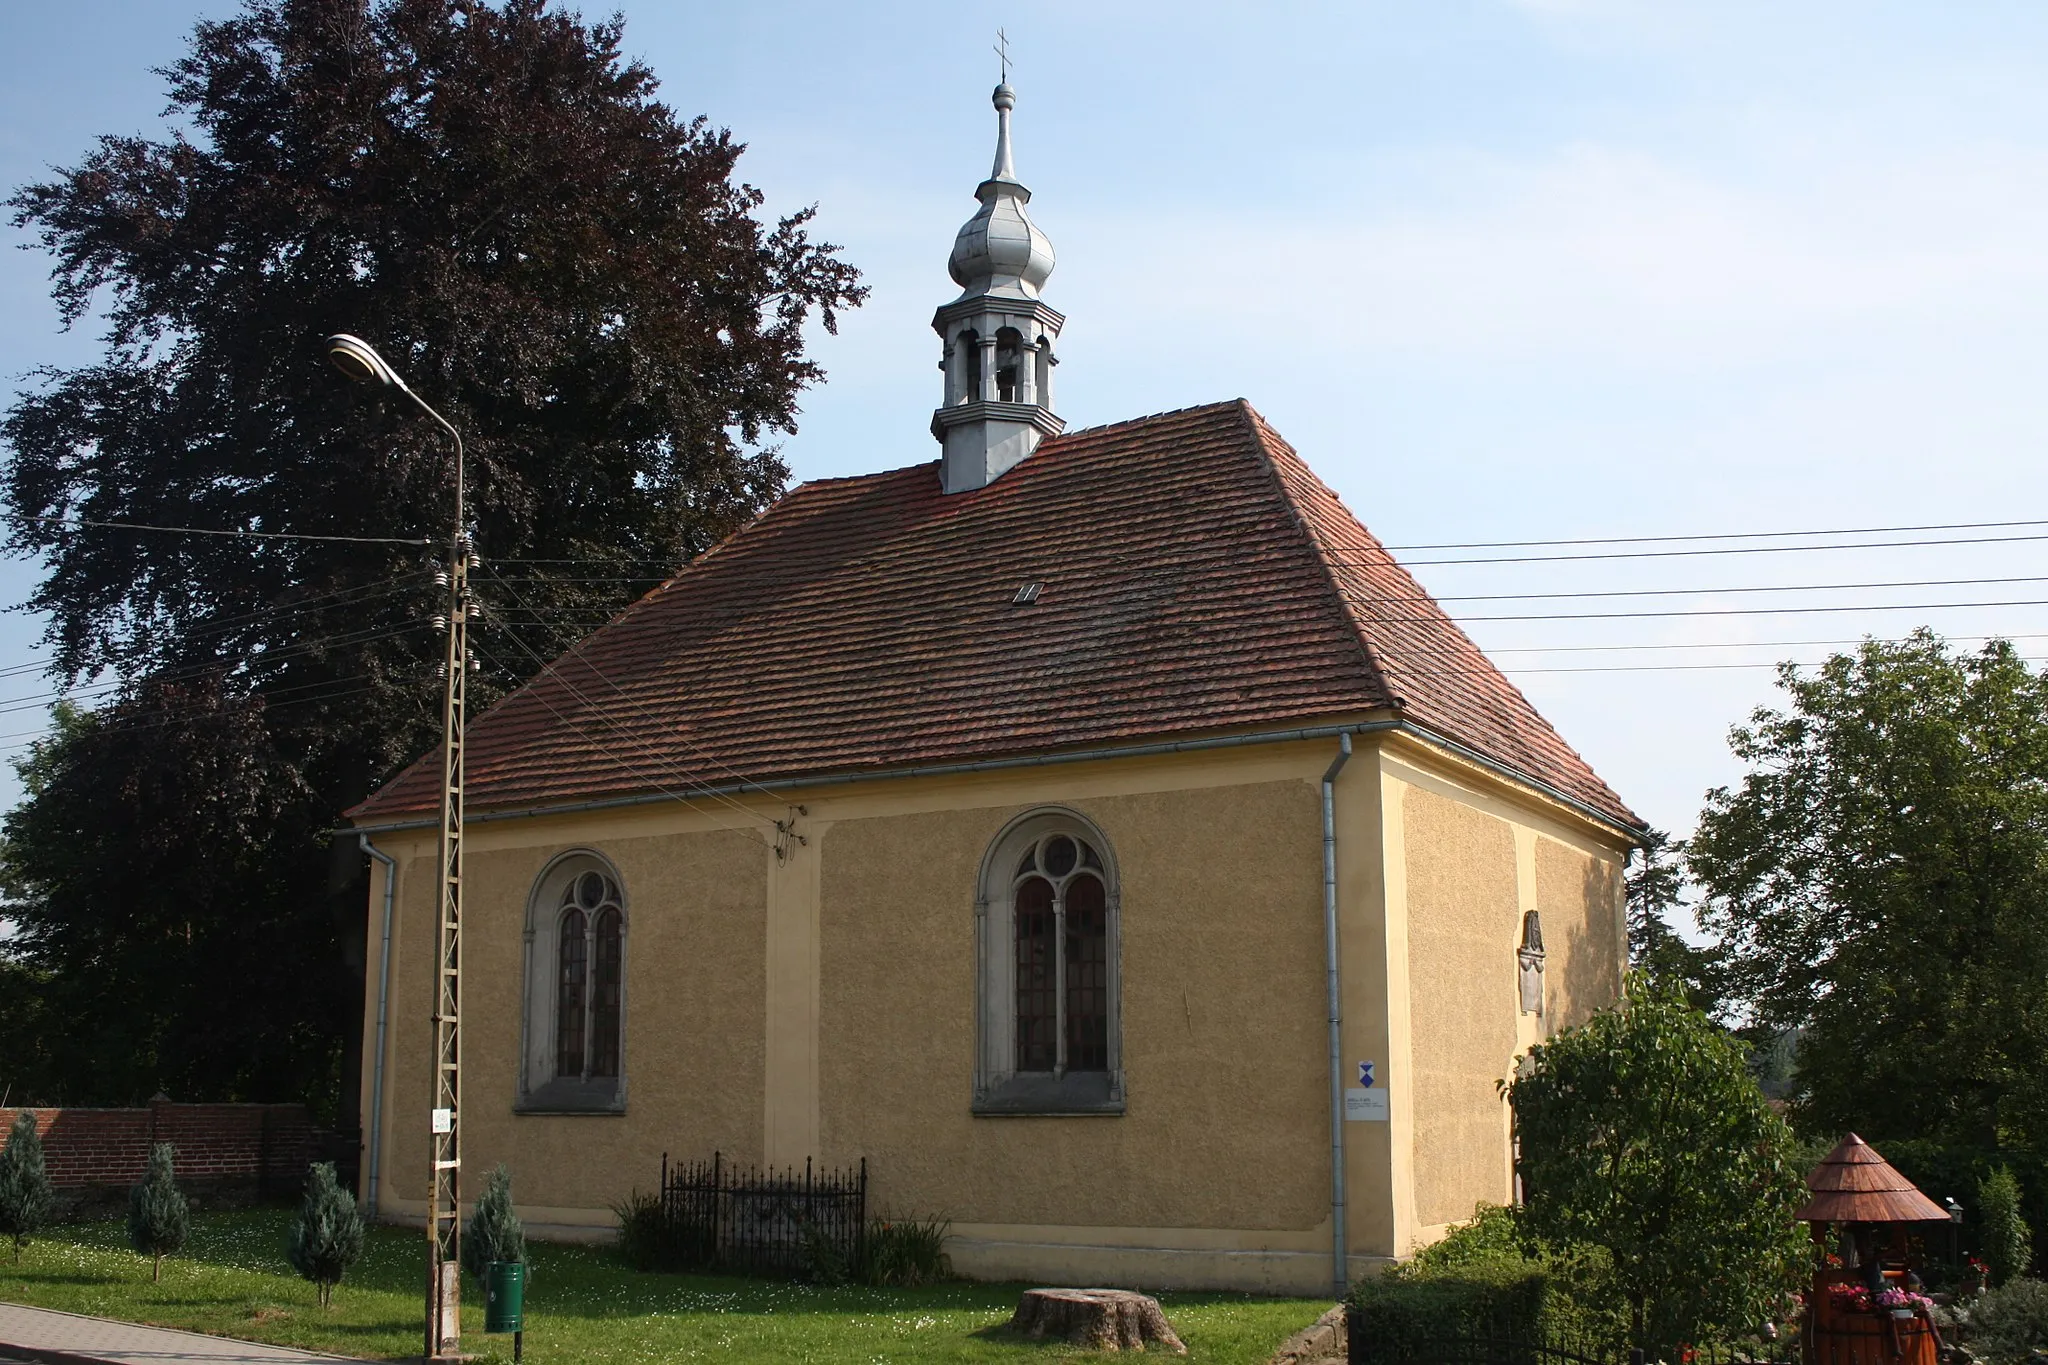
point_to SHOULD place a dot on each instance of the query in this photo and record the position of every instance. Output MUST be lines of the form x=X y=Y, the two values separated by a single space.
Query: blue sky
x=1518 y=270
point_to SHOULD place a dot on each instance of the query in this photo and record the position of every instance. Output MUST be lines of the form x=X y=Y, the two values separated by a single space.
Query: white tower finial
x=998 y=335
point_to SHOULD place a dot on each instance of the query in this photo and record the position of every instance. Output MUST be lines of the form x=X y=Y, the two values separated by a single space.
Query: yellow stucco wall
x=820 y=1002
x=694 y=1002
x=1580 y=898
x=1468 y=856
x=1463 y=915
x=1226 y=1080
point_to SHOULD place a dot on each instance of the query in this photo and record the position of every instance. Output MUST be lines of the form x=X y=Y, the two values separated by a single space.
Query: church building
x=1096 y=831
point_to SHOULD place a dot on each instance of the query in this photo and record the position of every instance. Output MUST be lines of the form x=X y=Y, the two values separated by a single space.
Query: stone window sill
x=573 y=1097
x=1043 y=1095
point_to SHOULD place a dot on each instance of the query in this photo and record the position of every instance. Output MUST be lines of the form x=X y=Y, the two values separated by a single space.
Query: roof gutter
x=1340 y=1260
x=1180 y=746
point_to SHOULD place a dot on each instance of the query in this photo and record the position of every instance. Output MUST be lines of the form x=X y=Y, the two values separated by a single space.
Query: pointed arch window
x=575 y=1001
x=1047 y=927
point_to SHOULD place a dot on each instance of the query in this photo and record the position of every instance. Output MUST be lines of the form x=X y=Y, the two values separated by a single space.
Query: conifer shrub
x=327 y=1236
x=2008 y=1242
x=159 y=1215
x=26 y=1196
x=494 y=1233
x=2009 y=1325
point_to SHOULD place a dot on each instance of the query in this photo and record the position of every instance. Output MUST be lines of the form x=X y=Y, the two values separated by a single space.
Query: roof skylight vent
x=1026 y=595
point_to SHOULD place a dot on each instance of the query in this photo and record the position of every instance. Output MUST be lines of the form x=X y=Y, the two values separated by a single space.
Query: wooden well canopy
x=1853 y=1184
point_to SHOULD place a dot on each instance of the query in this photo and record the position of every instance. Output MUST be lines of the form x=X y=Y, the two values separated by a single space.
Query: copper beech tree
x=568 y=269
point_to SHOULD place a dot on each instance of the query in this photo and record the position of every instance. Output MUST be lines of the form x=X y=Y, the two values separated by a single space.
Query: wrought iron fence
x=762 y=1221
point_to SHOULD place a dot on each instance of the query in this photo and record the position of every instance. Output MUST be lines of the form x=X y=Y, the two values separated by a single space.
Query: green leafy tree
x=1643 y=1134
x=26 y=1196
x=327 y=1236
x=159 y=1215
x=2008 y=1242
x=1656 y=894
x=1880 y=882
x=494 y=1232
x=494 y=195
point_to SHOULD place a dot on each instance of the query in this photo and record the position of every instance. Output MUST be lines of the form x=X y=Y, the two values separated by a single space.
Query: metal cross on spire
x=1002 y=50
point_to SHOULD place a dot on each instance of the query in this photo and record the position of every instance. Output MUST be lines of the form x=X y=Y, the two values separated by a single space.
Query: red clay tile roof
x=1196 y=577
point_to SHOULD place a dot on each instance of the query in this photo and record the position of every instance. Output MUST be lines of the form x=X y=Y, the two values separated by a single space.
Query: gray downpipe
x=1339 y=1252
x=383 y=1014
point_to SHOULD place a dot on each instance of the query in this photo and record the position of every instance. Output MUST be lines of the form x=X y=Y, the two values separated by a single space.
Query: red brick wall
x=254 y=1143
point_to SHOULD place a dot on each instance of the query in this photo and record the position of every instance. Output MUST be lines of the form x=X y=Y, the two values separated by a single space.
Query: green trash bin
x=505 y=1297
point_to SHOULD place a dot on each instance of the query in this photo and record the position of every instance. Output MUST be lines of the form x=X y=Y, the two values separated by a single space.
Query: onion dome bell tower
x=997 y=335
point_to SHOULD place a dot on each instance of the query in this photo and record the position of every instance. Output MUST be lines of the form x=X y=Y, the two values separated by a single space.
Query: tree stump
x=1103 y=1319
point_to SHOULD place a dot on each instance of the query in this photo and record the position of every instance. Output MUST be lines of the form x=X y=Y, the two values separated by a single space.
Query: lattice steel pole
x=359 y=361
x=444 y=1214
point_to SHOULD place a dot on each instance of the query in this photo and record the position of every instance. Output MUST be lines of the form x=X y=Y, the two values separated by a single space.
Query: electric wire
x=24 y=738
x=632 y=767
x=1721 y=535
x=1349 y=558
x=69 y=522
x=576 y=651
x=1712 y=592
x=224 y=667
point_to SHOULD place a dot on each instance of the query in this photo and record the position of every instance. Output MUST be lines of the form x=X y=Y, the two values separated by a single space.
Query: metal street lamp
x=359 y=360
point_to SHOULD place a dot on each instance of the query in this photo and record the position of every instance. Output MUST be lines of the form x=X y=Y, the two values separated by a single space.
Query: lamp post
x=358 y=360
x=1955 y=1231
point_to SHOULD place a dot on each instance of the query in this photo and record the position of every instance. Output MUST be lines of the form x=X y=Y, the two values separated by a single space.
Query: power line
x=70 y=522
x=634 y=768
x=575 y=651
x=224 y=667
x=1659 y=668
x=1700 y=611
x=1728 y=644
x=1673 y=554
x=1714 y=592
x=1722 y=535
x=179 y=717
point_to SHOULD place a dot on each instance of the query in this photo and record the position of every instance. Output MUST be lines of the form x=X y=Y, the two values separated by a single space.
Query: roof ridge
x=1261 y=434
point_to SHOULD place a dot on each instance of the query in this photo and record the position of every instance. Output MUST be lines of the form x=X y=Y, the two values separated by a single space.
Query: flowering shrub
x=1854 y=1298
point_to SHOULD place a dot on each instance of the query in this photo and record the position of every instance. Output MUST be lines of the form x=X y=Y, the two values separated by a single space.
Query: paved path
x=43 y=1335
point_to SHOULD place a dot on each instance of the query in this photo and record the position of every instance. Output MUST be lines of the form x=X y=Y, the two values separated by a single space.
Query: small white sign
x=1365 y=1106
x=444 y=1120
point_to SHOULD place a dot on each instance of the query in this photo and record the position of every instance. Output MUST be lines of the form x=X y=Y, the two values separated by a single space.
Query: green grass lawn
x=581 y=1305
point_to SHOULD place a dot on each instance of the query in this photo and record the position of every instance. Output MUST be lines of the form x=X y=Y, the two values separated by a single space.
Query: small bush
x=643 y=1232
x=494 y=1232
x=906 y=1252
x=26 y=1196
x=327 y=1236
x=2008 y=1243
x=820 y=1258
x=2009 y=1325
x=1401 y=1316
x=159 y=1215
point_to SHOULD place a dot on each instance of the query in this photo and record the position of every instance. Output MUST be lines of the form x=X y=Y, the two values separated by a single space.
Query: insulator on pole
x=440 y=621
x=440 y=578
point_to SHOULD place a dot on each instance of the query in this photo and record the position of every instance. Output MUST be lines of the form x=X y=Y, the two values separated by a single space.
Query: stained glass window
x=569 y=1001
x=604 y=999
x=1037 y=1016
x=1087 y=983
